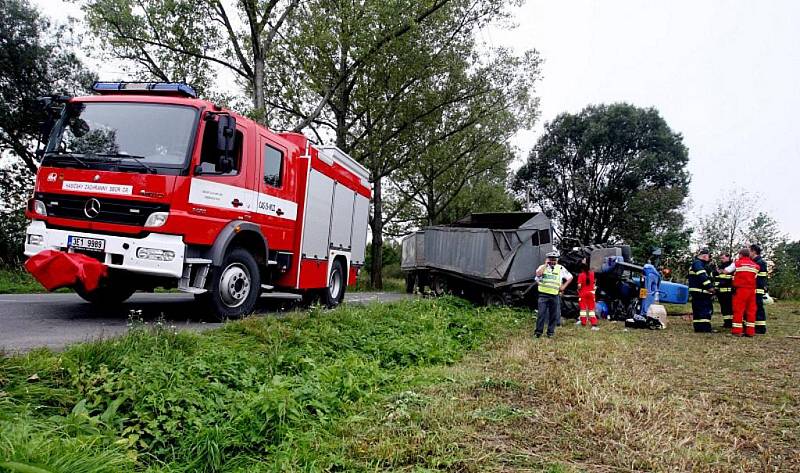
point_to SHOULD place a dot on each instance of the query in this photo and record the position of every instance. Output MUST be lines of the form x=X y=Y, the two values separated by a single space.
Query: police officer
x=553 y=279
x=701 y=288
x=723 y=283
x=761 y=289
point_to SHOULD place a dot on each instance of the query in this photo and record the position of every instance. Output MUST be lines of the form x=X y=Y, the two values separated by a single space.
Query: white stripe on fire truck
x=215 y=194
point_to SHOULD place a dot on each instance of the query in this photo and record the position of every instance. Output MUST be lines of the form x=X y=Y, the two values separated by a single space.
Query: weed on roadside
x=262 y=394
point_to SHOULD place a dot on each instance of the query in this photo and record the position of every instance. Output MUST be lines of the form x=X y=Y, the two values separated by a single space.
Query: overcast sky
x=722 y=73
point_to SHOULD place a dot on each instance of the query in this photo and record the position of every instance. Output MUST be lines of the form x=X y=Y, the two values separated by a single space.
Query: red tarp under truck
x=145 y=186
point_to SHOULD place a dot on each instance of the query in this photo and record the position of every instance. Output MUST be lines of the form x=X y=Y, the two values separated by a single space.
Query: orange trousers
x=586 y=306
x=744 y=311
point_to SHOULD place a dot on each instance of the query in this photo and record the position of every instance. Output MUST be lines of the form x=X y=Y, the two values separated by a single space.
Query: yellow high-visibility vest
x=551 y=280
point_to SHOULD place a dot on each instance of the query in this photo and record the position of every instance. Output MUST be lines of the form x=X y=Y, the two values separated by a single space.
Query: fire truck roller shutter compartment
x=342 y=217
x=317 y=222
x=360 y=221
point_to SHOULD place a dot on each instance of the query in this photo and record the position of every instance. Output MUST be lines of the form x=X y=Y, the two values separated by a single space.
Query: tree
x=763 y=230
x=734 y=223
x=785 y=280
x=35 y=60
x=15 y=187
x=608 y=173
x=383 y=70
x=189 y=40
x=474 y=147
x=723 y=229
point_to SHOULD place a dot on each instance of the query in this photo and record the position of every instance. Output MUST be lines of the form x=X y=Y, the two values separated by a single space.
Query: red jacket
x=745 y=274
x=586 y=283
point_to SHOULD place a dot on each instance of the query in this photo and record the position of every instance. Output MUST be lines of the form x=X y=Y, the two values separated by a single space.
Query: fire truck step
x=198 y=261
x=193 y=290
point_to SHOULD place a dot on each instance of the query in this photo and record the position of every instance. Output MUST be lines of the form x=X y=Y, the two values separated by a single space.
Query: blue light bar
x=145 y=87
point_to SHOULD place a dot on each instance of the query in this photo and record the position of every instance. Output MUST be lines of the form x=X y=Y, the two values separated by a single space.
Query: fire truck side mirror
x=226 y=133
x=226 y=140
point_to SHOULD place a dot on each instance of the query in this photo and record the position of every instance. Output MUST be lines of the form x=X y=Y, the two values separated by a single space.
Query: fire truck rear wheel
x=333 y=295
x=235 y=285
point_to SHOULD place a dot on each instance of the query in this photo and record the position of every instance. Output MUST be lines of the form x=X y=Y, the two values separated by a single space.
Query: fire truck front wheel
x=112 y=291
x=235 y=286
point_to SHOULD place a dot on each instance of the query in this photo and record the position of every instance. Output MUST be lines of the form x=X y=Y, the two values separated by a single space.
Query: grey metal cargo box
x=501 y=248
x=413 y=250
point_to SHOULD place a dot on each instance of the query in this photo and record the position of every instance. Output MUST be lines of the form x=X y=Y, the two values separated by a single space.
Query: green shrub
x=264 y=390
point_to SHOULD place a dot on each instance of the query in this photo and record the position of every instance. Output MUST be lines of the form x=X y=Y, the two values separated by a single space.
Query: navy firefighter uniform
x=724 y=285
x=700 y=286
x=761 y=290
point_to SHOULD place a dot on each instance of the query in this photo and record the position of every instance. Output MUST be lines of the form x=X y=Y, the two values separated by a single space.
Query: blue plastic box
x=673 y=293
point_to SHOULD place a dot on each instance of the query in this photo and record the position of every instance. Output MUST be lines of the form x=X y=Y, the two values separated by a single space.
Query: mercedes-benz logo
x=92 y=208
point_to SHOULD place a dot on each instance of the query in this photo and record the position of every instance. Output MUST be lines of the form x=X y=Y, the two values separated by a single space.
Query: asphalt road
x=30 y=321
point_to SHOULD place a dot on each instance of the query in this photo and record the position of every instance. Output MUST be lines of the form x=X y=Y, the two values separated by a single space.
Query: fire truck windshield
x=156 y=137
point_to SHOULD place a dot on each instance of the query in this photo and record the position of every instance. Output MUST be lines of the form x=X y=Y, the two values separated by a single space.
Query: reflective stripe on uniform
x=697 y=289
x=748 y=324
x=761 y=322
x=695 y=273
x=747 y=269
x=762 y=274
x=727 y=317
x=759 y=291
x=724 y=289
x=701 y=321
x=706 y=283
x=725 y=276
x=735 y=325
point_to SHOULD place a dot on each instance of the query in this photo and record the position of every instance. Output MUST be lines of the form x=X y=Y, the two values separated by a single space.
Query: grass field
x=413 y=386
x=613 y=400
x=19 y=281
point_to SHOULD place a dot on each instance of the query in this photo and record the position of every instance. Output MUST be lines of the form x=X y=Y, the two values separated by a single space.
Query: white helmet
x=553 y=254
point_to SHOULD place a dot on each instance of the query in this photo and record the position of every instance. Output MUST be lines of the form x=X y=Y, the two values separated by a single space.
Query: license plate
x=83 y=243
x=642 y=293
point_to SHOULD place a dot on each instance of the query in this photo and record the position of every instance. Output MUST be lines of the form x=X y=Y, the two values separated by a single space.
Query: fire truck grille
x=123 y=212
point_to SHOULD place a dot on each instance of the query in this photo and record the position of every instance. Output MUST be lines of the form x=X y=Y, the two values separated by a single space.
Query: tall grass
x=18 y=281
x=263 y=394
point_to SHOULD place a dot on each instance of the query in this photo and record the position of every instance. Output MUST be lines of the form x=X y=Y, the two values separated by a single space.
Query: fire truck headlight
x=39 y=208
x=155 y=254
x=156 y=219
x=35 y=240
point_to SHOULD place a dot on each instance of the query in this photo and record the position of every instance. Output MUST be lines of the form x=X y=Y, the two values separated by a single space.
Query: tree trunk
x=258 y=86
x=376 y=271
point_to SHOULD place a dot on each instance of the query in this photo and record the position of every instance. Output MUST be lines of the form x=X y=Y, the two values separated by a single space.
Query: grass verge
x=389 y=285
x=18 y=281
x=263 y=394
x=607 y=401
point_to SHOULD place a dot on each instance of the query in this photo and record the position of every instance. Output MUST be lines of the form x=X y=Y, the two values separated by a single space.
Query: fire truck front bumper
x=156 y=254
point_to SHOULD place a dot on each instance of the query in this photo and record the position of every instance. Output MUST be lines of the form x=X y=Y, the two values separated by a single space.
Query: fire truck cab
x=167 y=190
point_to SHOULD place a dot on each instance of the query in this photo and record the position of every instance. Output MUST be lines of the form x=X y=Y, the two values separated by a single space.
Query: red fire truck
x=167 y=190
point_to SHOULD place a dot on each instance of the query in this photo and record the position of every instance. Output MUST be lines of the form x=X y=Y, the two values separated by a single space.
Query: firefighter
x=761 y=289
x=553 y=279
x=724 y=287
x=701 y=289
x=586 y=296
x=745 y=272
